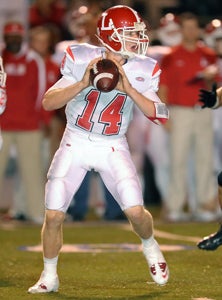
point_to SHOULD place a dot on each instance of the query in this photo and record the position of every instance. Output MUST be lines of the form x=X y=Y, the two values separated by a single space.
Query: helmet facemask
x=131 y=35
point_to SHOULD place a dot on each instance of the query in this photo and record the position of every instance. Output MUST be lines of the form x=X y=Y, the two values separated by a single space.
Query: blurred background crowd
x=177 y=164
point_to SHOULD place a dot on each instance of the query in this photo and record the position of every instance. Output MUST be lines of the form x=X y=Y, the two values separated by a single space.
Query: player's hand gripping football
x=123 y=85
x=86 y=77
x=209 y=98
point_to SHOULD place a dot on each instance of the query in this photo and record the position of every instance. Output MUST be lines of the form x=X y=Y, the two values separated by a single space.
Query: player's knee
x=54 y=218
x=135 y=214
x=219 y=179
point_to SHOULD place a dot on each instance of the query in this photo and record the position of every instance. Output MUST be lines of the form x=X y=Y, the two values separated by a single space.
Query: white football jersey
x=98 y=112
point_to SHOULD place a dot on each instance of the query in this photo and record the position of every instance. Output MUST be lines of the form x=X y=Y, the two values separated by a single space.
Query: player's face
x=116 y=56
x=40 y=42
x=131 y=43
x=13 y=43
x=190 y=30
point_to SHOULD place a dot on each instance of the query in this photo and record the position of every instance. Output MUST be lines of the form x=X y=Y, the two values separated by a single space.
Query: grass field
x=111 y=274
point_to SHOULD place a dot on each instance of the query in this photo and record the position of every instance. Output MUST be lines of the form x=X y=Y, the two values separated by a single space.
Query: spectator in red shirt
x=21 y=120
x=186 y=69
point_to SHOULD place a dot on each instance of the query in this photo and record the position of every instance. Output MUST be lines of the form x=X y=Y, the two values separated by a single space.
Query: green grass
x=123 y=275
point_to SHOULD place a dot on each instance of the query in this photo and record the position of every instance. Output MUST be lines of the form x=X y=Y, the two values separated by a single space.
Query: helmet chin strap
x=127 y=54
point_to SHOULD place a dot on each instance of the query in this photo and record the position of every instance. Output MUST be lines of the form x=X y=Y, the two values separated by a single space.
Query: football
x=104 y=75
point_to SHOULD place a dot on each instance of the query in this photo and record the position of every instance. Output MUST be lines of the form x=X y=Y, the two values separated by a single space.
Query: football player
x=212 y=99
x=3 y=97
x=94 y=137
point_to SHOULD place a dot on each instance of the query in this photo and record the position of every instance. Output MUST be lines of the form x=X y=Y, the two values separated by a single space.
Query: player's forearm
x=153 y=109
x=219 y=95
x=163 y=93
x=144 y=104
x=57 y=98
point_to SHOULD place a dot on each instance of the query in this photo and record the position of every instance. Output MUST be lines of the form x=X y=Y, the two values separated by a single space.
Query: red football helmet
x=120 y=24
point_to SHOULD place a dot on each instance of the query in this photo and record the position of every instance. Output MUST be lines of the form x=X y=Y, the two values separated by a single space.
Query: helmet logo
x=139 y=26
